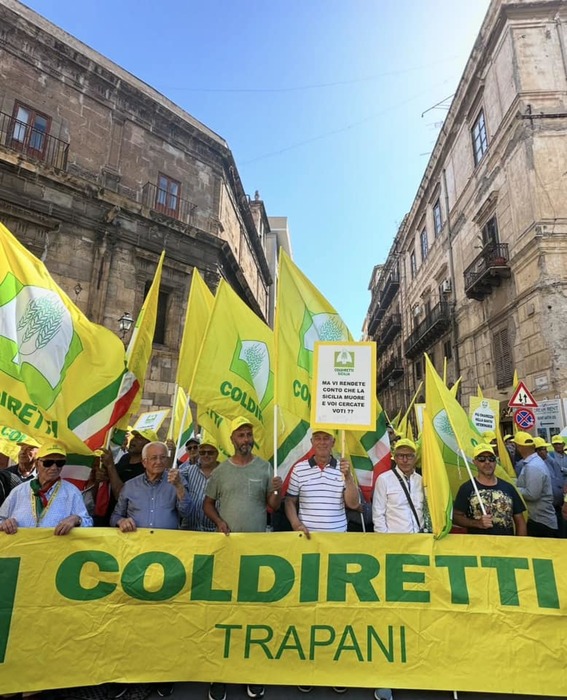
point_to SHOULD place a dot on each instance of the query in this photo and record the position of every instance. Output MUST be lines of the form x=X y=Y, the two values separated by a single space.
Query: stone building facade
x=99 y=173
x=477 y=272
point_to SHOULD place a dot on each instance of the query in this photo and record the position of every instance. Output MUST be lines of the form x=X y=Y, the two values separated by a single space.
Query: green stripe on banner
x=95 y=403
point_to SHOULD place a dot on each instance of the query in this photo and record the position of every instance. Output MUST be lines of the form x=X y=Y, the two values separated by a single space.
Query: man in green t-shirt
x=243 y=486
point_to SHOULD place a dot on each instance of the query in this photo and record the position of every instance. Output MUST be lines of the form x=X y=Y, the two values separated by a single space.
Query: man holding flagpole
x=320 y=490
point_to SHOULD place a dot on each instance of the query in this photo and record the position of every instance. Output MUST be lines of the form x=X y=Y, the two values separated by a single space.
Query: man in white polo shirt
x=320 y=489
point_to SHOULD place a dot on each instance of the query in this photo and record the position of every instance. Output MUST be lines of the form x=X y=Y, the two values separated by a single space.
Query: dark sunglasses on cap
x=207 y=453
x=59 y=463
x=486 y=458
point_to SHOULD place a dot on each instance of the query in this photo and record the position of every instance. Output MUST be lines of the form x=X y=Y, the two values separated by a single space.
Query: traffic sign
x=521 y=398
x=524 y=419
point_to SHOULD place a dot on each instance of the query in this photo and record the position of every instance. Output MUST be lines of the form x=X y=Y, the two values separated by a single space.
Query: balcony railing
x=391 y=286
x=390 y=372
x=167 y=203
x=427 y=332
x=34 y=144
x=487 y=271
x=390 y=329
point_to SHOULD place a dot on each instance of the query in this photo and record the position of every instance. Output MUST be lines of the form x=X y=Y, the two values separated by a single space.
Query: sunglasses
x=191 y=447
x=487 y=458
x=207 y=453
x=59 y=463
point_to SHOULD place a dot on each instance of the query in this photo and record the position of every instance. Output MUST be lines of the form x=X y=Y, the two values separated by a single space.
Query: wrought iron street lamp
x=125 y=323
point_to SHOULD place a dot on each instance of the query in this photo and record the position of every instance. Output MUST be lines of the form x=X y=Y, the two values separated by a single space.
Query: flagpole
x=343 y=452
x=275 y=441
x=473 y=482
x=183 y=421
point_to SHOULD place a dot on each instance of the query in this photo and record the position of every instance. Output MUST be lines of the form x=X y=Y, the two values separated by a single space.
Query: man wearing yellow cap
x=502 y=504
x=243 y=486
x=320 y=489
x=534 y=485
x=196 y=477
x=46 y=501
x=397 y=504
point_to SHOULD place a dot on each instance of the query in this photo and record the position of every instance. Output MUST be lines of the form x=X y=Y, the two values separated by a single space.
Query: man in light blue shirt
x=46 y=501
x=156 y=499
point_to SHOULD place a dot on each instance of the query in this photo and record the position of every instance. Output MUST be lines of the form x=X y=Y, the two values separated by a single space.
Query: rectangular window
x=503 y=363
x=447 y=349
x=167 y=195
x=490 y=233
x=424 y=245
x=437 y=220
x=413 y=264
x=29 y=131
x=479 y=138
x=418 y=370
x=163 y=298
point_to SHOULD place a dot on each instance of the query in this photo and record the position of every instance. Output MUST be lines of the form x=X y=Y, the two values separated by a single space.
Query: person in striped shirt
x=320 y=488
x=196 y=477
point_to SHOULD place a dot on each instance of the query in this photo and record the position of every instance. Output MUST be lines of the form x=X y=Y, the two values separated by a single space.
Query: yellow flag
x=61 y=376
x=455 y=388
x=303 y=316
x=455 y=432
x=234 y=375
x=218 y=427
x=199 y=307
x=435 y=481
x=141 y=343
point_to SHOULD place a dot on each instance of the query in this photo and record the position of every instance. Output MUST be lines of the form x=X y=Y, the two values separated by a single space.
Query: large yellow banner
x=362 y=610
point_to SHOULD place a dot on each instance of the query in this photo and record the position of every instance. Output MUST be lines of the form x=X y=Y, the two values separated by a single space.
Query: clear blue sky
x=320 y=102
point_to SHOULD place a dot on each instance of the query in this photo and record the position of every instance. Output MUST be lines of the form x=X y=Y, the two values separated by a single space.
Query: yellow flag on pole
x=61 y=376
x=435 y=481
x=303 y=316
x=199 y=308
x=141 y=343
x=234 y=375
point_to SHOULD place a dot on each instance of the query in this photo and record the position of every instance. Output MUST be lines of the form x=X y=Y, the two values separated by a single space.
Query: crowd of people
x=143 y=486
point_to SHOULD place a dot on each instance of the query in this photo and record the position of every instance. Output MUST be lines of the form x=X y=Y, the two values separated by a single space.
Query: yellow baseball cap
x=51 y=448
x=481 y=448
x=149 y=435
x=539 y=442
x=489 y=435
x=405 y=442
x=239 y=422
x=28 y=442
x=557 y=440
x=523 y=438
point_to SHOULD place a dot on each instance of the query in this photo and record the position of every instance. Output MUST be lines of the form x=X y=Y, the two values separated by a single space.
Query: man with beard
x=502 y=504
x=243 y=486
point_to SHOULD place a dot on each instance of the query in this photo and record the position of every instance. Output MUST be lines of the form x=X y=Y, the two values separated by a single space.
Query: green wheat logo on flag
x=325 y=327
x=37 y=340
x=251 y=362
